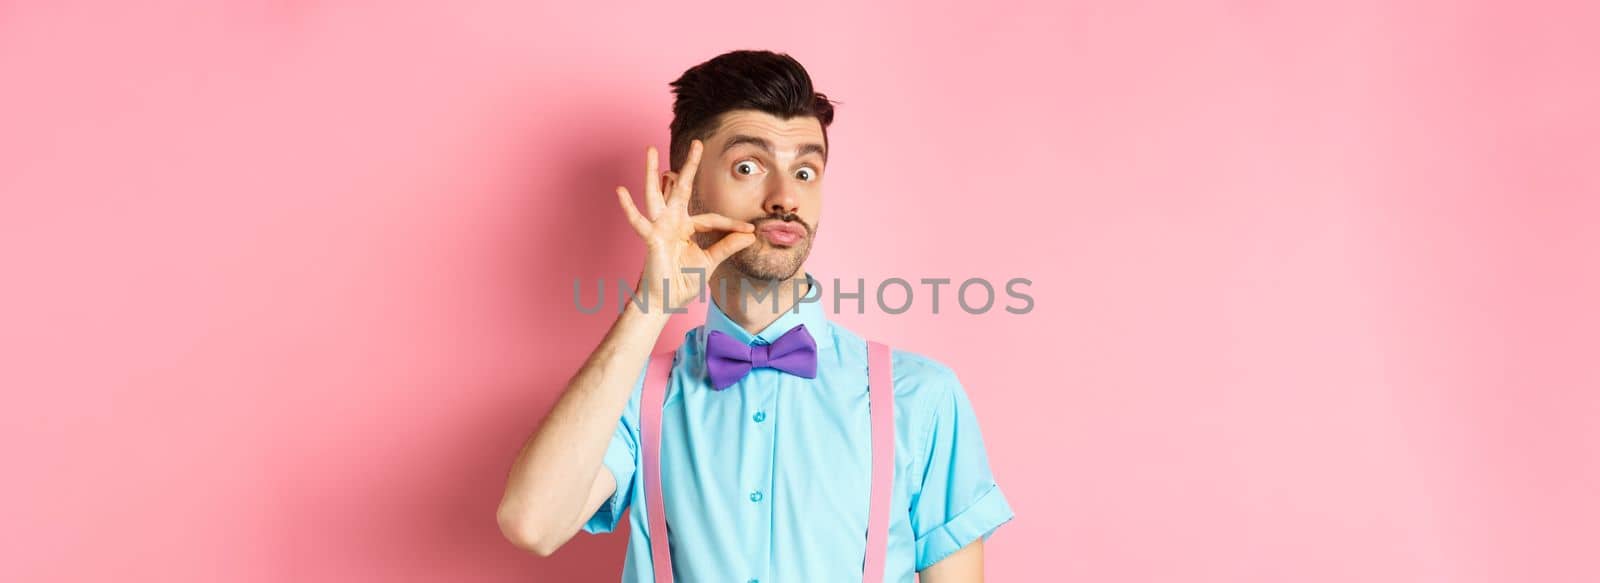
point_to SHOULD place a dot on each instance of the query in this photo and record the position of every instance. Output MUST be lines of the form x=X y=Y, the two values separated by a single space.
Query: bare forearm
x=551 y=477
x=963 y=566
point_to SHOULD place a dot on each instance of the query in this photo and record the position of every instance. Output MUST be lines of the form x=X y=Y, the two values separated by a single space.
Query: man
x=766 y=472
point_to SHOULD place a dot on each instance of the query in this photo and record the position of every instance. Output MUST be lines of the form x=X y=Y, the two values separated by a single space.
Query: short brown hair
x=765 y=81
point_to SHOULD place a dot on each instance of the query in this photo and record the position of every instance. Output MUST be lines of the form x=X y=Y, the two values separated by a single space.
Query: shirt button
x=755 y=496
x=759 y=417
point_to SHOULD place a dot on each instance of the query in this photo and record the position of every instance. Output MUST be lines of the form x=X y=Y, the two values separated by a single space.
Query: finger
x=714 y=222
x=728 y=246
x=685 y=185
x=652 y=183
x=640 y=224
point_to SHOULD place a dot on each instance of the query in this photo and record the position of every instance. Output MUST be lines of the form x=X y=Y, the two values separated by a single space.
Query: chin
x=768 y=262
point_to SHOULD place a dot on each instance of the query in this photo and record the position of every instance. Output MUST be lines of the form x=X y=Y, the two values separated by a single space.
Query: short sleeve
x=959 y=500
x=621 y=459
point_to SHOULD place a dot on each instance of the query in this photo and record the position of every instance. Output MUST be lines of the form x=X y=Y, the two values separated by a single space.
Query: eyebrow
x=762 y=143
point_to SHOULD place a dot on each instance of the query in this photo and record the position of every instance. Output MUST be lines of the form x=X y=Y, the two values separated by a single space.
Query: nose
x=783 y=198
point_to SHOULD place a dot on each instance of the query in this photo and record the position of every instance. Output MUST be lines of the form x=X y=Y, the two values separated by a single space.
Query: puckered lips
x=780 y=233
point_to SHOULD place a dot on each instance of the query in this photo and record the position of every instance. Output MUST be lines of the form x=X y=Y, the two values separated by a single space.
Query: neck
x=750 y=302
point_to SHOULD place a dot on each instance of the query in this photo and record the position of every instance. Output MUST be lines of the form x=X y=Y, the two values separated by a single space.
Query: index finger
x=685 y=186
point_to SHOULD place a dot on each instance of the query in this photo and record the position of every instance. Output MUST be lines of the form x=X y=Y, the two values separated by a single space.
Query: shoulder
x=925 y=388
x=921 y=377
x=916 y=375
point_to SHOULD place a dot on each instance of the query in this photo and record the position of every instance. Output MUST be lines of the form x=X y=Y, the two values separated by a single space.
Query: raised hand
x=675 y=267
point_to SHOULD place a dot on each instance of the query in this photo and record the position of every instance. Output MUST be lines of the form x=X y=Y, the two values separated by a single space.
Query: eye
x=806 y=174
x=746 y=167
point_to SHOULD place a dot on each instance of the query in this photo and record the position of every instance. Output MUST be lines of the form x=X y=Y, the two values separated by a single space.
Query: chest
x=777 y=467
x=773 y=443
x=771 y=449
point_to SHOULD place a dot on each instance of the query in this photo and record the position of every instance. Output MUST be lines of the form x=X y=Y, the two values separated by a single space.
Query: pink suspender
x=655 y=392
x=880 y=389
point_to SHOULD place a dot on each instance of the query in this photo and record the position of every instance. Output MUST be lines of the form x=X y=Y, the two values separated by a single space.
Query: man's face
x=767 y=171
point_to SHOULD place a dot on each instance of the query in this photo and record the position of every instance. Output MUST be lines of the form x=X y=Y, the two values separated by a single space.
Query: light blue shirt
x=768 y=480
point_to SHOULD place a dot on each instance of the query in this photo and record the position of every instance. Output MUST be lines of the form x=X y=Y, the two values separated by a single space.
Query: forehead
x=785 y=135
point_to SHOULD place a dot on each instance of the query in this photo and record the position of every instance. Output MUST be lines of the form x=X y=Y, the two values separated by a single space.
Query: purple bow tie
x=728 y=359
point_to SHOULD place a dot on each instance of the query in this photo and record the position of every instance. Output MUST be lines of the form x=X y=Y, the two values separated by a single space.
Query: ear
x=669 y=180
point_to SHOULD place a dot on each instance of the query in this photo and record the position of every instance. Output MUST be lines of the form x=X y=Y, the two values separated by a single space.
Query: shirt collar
x=807 y=311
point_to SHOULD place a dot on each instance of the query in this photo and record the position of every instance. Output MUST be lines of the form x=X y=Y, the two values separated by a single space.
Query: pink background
x=288 y=283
